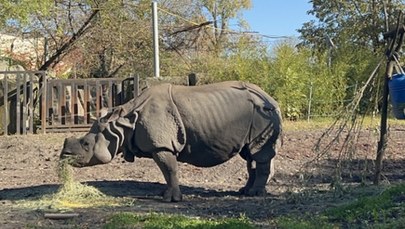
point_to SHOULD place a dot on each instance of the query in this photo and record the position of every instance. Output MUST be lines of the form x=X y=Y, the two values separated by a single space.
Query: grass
x=163 y=221
x=383 y=210
x=73 y=194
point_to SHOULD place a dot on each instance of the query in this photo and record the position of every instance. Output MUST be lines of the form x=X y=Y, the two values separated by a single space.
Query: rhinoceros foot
x=172 y=195
x=247 y=191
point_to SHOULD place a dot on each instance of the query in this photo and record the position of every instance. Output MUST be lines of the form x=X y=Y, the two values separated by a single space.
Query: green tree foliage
x=299 y=77
x=356 y=22
x=348 y=33
x=19 y=12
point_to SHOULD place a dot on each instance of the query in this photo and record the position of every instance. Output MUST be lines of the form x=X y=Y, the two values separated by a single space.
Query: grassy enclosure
x=382 y=209
x=353 y=205
x=164 y=221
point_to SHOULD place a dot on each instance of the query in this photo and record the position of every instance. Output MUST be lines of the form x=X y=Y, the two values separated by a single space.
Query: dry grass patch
x=72 y=194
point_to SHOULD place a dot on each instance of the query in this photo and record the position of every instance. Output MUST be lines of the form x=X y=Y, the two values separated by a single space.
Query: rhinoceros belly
x=217 y=122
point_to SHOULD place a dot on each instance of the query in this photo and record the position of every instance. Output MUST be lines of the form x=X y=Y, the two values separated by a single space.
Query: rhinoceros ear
x=128 y=121
x=117 y=113
x=103 y=112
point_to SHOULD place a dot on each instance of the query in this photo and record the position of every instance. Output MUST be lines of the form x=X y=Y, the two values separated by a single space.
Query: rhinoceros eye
x=85 y=145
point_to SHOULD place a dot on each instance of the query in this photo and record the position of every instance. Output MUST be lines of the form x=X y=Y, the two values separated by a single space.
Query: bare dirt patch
x=28 y=170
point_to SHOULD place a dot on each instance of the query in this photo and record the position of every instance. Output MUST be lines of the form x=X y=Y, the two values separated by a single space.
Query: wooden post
x=192 y=79
x=86 y=110
x=18 y=105
x=72 y=103
x=136 y=86
x=31 y=104
x=6 y=110
x=61 y=103
x=24 y=105
x=49 y=106
x=43 y=102
x=98 y=99
x=110 y=95
x=118 y=93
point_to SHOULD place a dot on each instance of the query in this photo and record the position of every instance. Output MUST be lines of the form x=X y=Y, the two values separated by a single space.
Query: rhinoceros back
x=218 y=120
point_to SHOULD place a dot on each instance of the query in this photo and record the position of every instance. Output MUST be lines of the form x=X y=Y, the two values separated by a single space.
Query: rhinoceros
x=200 y=125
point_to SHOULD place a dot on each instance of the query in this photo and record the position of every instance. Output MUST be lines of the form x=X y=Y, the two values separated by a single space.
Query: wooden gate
x=19 y=95
x=30 y=103
x=74 y=104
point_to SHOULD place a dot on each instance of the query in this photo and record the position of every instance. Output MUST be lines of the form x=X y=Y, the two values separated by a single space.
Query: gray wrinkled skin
x=203 y=126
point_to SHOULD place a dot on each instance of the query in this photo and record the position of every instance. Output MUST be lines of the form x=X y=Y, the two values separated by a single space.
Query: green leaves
x=20 y=11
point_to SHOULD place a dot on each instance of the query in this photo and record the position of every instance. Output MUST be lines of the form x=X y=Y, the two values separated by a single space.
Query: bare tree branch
x=187 y=29
x=55 y=57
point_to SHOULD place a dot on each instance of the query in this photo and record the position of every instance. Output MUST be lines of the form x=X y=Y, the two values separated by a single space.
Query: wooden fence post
x=43 y=102
x=136 y=85
x=192 y=79
x=6 y=110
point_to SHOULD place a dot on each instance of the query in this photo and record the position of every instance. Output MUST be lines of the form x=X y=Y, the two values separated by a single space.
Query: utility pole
x=155 y=40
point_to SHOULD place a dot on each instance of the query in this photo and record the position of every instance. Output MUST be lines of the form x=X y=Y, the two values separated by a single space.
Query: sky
x=278 y=17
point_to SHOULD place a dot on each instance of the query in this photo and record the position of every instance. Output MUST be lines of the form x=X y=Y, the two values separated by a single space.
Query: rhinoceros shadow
x=135 y=189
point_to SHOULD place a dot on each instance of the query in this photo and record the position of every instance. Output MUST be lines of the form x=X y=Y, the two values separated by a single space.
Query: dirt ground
x=28 y=170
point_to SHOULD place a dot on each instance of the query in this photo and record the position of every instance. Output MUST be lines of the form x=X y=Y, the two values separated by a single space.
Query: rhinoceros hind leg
x=167 y=163
x=251 y=167
x=260 y=169
x=262 y=174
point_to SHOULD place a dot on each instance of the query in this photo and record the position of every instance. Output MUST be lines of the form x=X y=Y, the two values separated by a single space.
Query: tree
x=98 y=38
x=355 y=22
x=221 y=12
x=348 y=33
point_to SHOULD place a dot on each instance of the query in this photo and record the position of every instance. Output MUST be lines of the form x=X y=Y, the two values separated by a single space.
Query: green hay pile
x=73 y=194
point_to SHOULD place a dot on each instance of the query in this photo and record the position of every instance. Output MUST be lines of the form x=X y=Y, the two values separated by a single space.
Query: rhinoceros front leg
x=167 y=163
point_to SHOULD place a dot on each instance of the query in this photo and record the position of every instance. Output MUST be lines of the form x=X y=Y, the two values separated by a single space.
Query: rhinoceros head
x=100 y=144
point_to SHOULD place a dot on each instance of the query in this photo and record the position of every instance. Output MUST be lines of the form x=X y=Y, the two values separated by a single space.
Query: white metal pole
x=155 y=40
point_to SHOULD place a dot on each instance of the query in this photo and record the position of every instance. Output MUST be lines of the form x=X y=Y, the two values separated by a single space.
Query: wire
x=254 y=33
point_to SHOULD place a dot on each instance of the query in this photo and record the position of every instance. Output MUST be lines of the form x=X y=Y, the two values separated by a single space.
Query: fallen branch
x=60 y=216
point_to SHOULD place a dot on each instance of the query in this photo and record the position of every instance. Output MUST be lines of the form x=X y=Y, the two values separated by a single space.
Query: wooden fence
x=17 y=101
x=27 y=106
x=74 y=104
x=30 y=103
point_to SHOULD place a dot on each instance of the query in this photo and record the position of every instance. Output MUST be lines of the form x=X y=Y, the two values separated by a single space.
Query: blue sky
x=278 y=17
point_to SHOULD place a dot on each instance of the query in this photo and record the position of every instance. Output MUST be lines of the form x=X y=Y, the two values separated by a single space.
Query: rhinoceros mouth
x=70 y=158
x=67 y=155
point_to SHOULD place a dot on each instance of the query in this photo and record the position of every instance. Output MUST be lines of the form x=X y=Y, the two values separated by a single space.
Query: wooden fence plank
x=43 y=102
x=24 y=105
x=61 y=101
x=18 y=105
x=6 y=110
x=98 y=99
x=49 y=98
x=86 y=109
x=110 y=95
x=31 y=103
